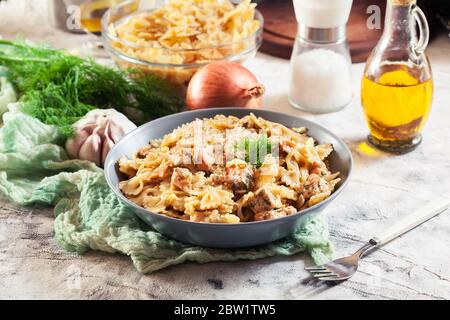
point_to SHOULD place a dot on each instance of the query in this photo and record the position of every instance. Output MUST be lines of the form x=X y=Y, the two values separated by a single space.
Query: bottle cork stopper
x=403 y=2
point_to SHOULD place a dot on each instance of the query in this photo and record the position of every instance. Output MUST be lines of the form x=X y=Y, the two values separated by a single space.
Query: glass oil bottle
x=397 y=86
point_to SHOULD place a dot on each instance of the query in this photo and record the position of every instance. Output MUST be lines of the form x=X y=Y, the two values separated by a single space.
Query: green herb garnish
x=254 y=150
x=58 y=88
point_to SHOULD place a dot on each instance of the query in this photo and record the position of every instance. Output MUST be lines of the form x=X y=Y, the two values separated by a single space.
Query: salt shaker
x=320 y=70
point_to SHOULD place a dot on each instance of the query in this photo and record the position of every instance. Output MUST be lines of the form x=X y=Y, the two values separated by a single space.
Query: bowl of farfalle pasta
x=173 y=39
x=228 y=177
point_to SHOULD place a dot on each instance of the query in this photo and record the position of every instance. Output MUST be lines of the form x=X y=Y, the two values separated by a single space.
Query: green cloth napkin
x=7 y=93
x=35 y=170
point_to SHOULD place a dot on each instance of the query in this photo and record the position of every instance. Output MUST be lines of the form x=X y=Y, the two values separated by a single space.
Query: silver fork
x=344 y=268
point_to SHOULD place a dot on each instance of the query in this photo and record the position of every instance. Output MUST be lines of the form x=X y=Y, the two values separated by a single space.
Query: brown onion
x=224 y=84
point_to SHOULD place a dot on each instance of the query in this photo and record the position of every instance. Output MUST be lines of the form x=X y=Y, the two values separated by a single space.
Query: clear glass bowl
x=127 y=54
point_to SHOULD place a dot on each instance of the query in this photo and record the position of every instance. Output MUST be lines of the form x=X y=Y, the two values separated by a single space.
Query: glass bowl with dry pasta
x=174 y=38
x=228 y=177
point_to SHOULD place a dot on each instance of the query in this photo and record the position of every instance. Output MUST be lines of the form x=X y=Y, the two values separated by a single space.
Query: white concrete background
x=383 y=189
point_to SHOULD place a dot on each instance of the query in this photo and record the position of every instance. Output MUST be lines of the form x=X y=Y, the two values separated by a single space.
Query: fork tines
x=322 y=273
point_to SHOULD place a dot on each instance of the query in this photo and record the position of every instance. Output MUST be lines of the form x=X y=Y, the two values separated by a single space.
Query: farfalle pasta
x=229 y=170
x=186 y=33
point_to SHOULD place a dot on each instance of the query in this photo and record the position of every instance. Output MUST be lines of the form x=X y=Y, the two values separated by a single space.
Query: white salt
x=320 y=81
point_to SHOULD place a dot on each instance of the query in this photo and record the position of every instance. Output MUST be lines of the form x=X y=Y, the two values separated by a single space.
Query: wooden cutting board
x=280 y=28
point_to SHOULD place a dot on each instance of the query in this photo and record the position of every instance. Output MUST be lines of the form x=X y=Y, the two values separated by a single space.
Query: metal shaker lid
x=322 y=35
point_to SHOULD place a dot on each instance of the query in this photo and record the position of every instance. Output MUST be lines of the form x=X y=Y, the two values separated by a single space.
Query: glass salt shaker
x=320 y=69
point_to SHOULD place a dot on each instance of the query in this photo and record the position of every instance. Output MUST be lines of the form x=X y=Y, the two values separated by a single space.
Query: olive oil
x=396 y=105
x=92 y=11
x=397 y=85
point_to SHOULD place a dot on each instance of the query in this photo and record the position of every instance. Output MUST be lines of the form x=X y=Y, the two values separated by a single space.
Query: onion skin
x=224 y=84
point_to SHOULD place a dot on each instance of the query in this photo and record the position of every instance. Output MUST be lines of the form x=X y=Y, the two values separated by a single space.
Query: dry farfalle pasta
x=205 y=171
x=185 y=32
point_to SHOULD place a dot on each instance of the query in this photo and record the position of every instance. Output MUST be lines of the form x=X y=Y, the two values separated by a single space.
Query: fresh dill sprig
x=58 y=88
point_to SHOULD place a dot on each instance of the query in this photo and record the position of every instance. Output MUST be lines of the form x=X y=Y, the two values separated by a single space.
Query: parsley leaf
x=254 y=150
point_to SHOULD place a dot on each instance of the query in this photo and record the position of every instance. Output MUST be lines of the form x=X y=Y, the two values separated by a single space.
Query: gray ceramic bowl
x=215 y=234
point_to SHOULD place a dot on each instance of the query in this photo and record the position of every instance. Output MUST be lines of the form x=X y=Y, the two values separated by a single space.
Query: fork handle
x=411 y=221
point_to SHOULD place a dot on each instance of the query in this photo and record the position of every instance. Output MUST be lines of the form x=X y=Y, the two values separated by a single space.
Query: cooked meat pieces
x=240 y=178
x=263 y=200
x=274 y=213
x=181 y=179
x=144 y=151
x=314 y=185
x=218 y=177
x=203 y=160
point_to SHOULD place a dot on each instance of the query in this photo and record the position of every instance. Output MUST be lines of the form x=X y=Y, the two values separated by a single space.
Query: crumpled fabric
x=35 y=170
x=7 y=93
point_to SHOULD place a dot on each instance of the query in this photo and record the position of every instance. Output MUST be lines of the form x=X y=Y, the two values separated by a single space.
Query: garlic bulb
x=96 y=133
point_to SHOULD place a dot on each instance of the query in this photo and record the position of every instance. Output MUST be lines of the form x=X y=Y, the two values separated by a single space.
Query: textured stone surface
x=382 y=189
